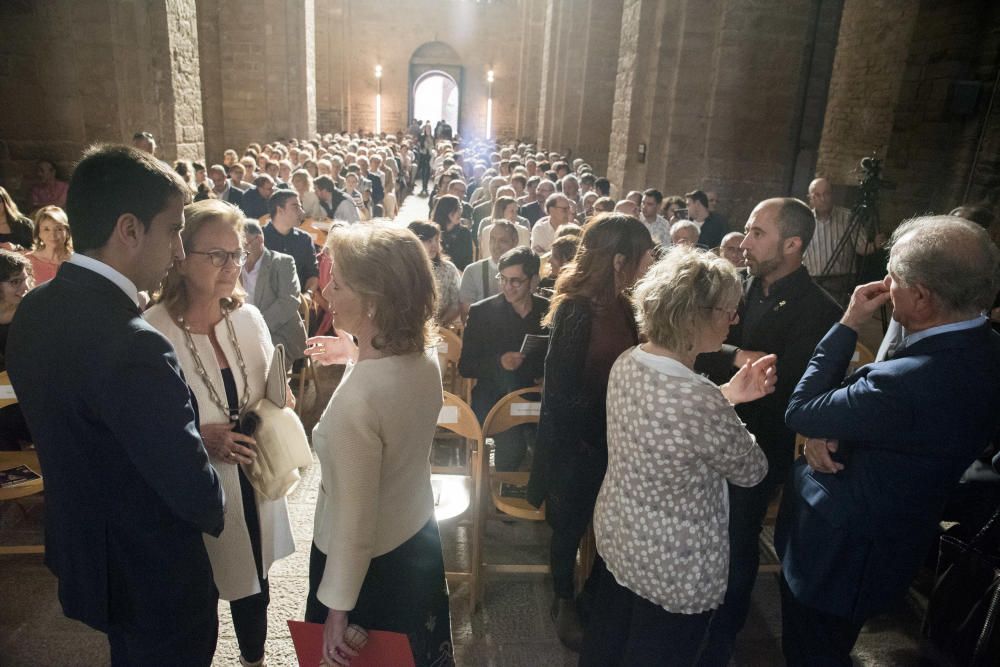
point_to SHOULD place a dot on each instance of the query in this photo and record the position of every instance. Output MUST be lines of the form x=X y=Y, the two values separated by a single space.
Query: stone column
x=714 y=89
x=86 y=71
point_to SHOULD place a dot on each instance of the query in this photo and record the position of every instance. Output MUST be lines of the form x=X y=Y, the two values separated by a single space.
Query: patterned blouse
x=448 y=281
x=662 y=517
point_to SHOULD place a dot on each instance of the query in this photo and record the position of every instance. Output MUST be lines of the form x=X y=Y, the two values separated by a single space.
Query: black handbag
x=963 y=613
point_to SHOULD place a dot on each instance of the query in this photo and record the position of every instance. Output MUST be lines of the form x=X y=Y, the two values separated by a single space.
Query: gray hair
x=953 y=258
x=679 y=294
x=684 y=224
x=251 y=227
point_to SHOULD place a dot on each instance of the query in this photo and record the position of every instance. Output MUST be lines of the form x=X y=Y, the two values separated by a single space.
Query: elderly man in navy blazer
x=128 y=486
x=887 y=445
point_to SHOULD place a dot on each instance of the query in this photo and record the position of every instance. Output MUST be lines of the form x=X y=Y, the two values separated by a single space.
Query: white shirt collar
x=102 y=269
x=667 y=366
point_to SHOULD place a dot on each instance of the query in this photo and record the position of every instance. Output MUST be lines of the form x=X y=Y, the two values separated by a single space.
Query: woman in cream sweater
x=376 y=555
x=224 y=349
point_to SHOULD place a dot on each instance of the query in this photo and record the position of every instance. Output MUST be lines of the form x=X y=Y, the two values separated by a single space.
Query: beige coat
x=230 y=553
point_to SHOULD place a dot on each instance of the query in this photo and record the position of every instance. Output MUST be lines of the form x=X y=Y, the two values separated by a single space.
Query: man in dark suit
x=128 y=486
x=221 y=186
x=491 y=345
x=712 y=226
x=254 y=198
x=536 y=209
x=888 y=444
x=783 y=312
x=272 y=285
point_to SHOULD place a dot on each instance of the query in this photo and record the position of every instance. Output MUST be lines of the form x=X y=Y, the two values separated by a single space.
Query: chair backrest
x=449 y=350
x=515 y=408
x=305 y=312
x=862 y=357
x=456 y=416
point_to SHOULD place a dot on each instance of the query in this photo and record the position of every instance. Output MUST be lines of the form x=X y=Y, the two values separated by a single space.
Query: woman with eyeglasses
x=224 y=349
x=674 y=440
x=591 y=324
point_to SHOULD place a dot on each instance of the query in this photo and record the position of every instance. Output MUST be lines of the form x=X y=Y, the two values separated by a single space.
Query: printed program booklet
x=17 y=475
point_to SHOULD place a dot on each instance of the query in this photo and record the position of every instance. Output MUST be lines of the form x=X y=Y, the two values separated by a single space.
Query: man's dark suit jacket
x=802 y=312
x=532 y=212
x=234 y=196
x=908 y=427
x=128 y=486
x=492 y=329
x=712 y=231
x=378 y=191
x=253 y=204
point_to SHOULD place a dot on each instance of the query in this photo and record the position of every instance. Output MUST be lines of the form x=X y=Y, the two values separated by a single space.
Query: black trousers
x=626 y=629
x=747 y=507
x=250 y=613
x=812 y=638
x=569 y=507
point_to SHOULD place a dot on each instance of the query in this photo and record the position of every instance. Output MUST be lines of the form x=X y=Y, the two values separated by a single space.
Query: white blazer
x=231 y=554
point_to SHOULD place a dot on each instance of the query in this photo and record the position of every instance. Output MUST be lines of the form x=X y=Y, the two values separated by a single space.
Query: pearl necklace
x=223 y=405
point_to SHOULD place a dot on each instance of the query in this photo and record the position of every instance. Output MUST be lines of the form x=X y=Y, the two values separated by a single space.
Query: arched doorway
x=435 y=97
x=436 y=84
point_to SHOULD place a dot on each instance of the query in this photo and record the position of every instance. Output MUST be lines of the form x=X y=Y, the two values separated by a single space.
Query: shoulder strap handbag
x=282 y=446
x=963 y=612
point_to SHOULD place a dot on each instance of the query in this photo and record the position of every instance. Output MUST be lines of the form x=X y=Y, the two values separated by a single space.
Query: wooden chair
x=455 y=495
x=449 y=352
x=12 y=460
x=512 y=410
x=306 y=368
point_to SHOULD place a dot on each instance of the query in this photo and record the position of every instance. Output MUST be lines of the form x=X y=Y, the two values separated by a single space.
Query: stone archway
x=436 y=70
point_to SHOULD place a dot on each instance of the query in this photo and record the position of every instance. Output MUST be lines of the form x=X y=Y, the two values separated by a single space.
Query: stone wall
x=77 y=73
x=353 y=36
x=716 y=90
x=894 y=91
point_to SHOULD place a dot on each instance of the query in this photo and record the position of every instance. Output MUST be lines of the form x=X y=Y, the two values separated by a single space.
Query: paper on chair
x=448 y=415
x=443 y=347
x=6 y=391
x=525 y=409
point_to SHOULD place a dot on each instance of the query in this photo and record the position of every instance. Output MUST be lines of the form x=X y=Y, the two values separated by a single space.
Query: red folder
x=384 y=649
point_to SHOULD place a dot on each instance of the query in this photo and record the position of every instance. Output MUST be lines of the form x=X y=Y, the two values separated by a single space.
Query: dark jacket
x=908 y=427
x=712 y=231
x=801 y=313
x=493 y=328
x=128 y=486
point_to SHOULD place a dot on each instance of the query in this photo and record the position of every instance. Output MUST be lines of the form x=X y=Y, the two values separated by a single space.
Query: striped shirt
x=824 y=243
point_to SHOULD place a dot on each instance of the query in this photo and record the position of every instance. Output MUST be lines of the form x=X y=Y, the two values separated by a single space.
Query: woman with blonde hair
x=224 y=348
x=591 y=324
x=376 y=555
x=661 y=518
x=303 y=184
x=52 y=244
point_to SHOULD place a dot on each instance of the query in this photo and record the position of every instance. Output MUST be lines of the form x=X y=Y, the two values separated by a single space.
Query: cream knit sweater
x=373 y=442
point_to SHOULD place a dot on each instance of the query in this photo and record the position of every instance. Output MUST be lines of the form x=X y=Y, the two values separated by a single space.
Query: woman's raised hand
x=326 y=350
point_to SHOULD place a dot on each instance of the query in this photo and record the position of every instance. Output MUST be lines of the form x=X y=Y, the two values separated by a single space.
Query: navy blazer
x=128 y=486
x=850 y=543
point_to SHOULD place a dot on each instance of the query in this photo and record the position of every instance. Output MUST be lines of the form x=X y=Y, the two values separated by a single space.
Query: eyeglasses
x=733 y=315
x=516 y=283
x=219 y=258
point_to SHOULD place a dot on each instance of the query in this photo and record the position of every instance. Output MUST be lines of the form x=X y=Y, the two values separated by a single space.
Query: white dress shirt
x=105 y=270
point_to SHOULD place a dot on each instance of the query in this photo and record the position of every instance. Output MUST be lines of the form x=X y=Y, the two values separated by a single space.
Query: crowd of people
x=680 y=359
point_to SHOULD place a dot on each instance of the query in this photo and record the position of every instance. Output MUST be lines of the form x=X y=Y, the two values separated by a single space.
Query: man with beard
x=783 y=312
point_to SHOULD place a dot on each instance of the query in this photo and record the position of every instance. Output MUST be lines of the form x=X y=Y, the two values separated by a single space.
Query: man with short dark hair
x=712 y=229
x=144 y=141
x=782 y=312
x=492 y=342
x=282 y=235
x=129 y=490
x=650 y=216
x=888 y=444
x=336 y=204
x=603 y=186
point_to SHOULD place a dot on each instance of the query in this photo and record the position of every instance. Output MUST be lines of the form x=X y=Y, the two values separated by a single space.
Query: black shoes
x=568 y=626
